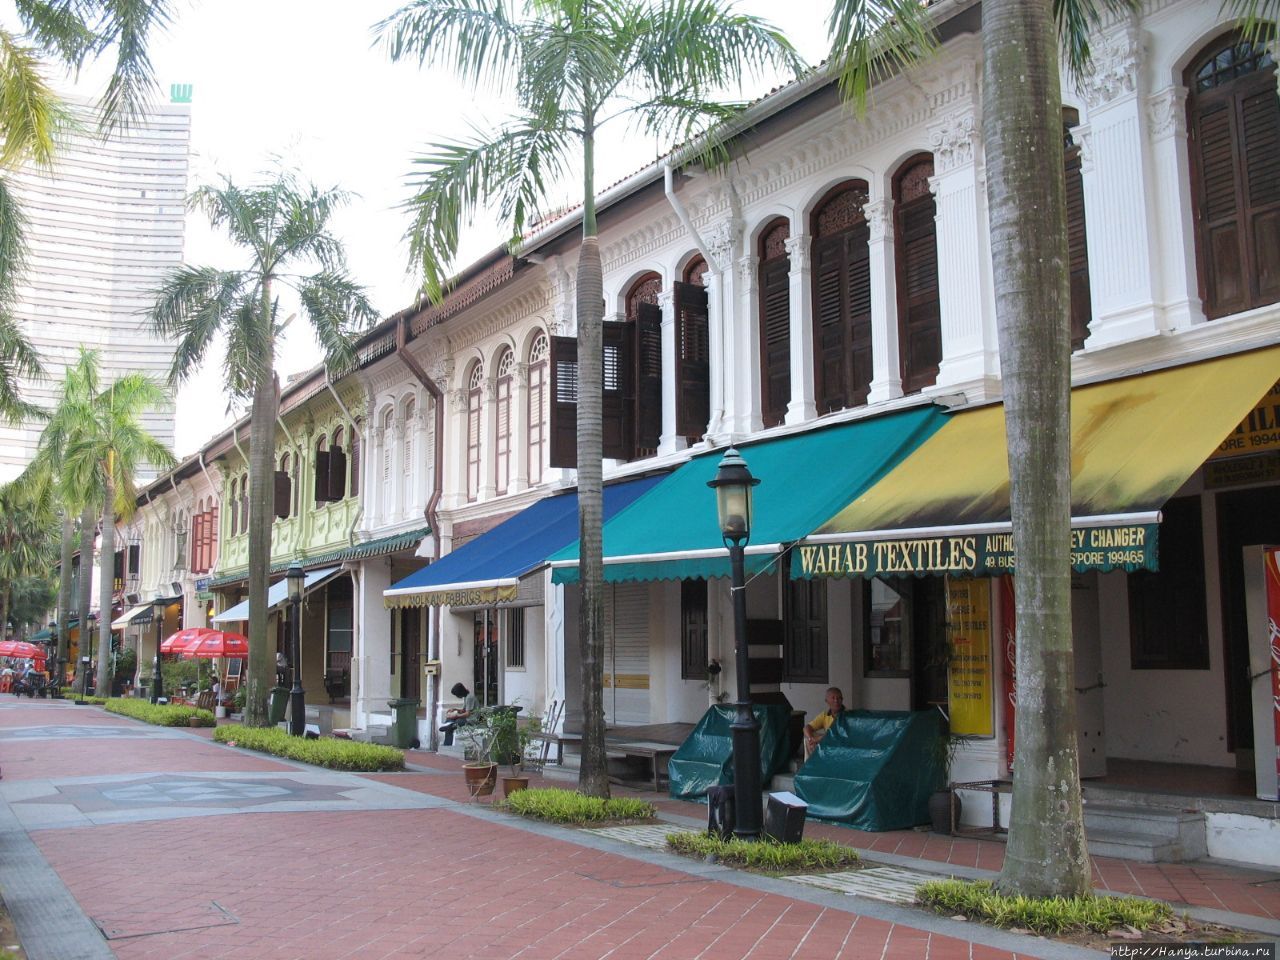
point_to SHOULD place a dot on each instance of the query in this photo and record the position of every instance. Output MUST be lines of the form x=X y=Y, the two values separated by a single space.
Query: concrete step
x=1177 y=834
x=1135 y=846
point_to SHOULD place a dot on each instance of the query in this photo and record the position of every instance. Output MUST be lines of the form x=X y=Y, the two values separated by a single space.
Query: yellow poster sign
x=1258 y=431
x=969 y=680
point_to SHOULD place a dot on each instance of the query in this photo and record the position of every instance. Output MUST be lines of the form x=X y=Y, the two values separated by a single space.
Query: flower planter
x=481 y=778
x=512 y=785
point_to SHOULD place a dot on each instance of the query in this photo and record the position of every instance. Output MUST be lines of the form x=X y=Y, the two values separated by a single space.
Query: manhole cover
x=148 y=923
x=879 y=883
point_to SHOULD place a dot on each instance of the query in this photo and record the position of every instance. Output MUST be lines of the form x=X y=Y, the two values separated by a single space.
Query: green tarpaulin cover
x=705 y=759
x=875 y=769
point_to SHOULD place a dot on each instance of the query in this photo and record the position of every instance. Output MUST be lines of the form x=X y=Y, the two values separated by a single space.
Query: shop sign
x=1258 y=431
x=1263 y=468
x=969 y=649
x=464 y=597
x=204 y=585
x=1128 y=547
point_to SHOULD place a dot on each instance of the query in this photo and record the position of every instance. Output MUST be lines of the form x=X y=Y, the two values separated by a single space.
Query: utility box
x=784 y=817
x=404 y=732
x=277 y=704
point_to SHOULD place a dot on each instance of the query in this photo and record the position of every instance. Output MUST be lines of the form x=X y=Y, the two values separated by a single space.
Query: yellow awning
x=1134 y=442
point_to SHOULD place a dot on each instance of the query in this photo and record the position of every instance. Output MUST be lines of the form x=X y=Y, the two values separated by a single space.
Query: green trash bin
x=278 y=703
x=405 y=730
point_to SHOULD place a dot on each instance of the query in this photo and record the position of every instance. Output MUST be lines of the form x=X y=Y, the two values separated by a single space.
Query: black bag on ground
x=720 y=811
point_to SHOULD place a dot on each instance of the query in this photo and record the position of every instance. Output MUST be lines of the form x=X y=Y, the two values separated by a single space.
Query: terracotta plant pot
x=944 y=810
x=512 y=784
x=194 y=722
x=481 y=778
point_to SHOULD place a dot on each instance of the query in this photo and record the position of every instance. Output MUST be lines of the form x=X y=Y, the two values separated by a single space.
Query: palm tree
x=105 y=457
x=27 y=536
x=284 y=227
x=1022 y=135
x=576 y=65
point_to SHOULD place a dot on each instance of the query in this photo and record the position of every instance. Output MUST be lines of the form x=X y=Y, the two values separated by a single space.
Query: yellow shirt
x=822 y=722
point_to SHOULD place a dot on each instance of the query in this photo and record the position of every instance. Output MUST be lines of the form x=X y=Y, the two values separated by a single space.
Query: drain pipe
x=716 y=330
x=432 y=511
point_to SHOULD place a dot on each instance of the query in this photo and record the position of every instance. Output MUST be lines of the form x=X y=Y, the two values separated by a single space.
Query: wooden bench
x=656 y=753
x=558 y=740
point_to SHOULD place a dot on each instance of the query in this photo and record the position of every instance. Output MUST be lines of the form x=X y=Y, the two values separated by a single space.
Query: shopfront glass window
x=886 y=618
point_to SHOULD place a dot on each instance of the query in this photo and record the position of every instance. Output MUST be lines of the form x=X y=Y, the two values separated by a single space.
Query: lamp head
x=732 y=484
x=295 y=577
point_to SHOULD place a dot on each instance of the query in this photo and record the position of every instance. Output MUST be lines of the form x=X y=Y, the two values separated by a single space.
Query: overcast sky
x=300 y=82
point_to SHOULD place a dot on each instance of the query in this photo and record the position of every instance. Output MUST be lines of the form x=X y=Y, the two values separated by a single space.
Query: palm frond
x=336 y=307
x=476 y=39
x=30 y=112
x=1259 y=19
x=1077 y=20
x=13 y=247
x=190 y=306
x=249 y=344
x=872 y=39
x=682 y=118
x=515 y=167
x=304 y=231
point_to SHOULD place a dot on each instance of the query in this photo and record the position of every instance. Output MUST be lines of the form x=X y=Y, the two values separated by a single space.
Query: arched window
x=234 y=500
x=775 y=322
x=355 y=459
x=536 y=437
x=502 y=397
x=283 y=488
x=337 y=466
x=694 y=270
x=410 y=452
x=322 y=470
x=841 y=298
x=244 y=503
x=474 y=381
x=916 y=252
x=388 y=441
x=634 y=427
x=1234 y=128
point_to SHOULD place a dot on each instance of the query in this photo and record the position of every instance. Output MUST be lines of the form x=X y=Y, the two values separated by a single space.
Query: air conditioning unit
x=133 y=599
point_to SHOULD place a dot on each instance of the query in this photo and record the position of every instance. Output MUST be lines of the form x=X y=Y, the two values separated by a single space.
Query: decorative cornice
x=1114 y=72
x=722 y=241
x=952 y=141
x=747 y=271
x=798 y=252
x=1167 y=113
x=879 y=214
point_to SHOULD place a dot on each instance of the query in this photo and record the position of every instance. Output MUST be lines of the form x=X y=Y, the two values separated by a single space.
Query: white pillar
x=372 y=648
x=1124 y=271
x=970 y=358
x=455 y=489
x=802 y=406
x=1179 y=291
x=747 y=375
x=398 y=478
x=519 y=473
x=668 y=441
x=886 y=363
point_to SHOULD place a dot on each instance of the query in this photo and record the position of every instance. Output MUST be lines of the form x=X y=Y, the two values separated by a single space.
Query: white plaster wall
x=1234 y=836
x=372 y=652
x=525 y=687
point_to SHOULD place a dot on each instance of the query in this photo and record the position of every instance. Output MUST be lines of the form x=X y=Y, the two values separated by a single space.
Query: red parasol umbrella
x=218 y=643
x=22 y=650
x=178 y=642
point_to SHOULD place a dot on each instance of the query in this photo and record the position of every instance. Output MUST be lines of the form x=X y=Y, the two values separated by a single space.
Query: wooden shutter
x=355 y=463
x=1221 y=239
x=282 y=492
x=775 y=339
x=693 y=361
x=648 y=413
x=1077 y=250
x=828 y=315
x=920 y=316
x=618 y=390
x=322 y=476
x=857 y=255
x=338 y=474
x=563 y=419
x=1260 y=124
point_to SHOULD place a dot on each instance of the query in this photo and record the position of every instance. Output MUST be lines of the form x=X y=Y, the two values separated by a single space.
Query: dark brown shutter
x=322 y=476
x=648 y=412
x=858 y=326
x=618 y=398
x=693 y=361
x=919 y=309
x=338 y=474
x=829 y=313
x=1077 y=250
x=563 y=419
x=1260 y=122
x=282 y=492
x=775 y=339
x=1221 y=240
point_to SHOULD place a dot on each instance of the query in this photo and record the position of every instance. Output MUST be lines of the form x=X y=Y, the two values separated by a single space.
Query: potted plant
x=511 y=740
x=945 y=808
x=478 y=766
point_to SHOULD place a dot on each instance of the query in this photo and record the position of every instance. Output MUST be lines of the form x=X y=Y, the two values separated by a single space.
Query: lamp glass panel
x=733 y=503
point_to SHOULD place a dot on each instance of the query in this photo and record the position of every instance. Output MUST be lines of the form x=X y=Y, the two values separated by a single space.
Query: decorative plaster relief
x=879 y=214
x=798 y=251
x=1167 y=113
x=1115 y=68
x=747 y=267
x=952 y=142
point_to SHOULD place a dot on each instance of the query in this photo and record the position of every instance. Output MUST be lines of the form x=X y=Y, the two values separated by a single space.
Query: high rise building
x=104 y=225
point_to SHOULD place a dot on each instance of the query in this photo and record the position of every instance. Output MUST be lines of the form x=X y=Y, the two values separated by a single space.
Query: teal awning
x=671 y=532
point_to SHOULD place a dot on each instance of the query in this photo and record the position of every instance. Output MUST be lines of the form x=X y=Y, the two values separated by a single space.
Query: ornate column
x=371 y=477
x=725 y=338
x=802 y=406
x=1124 y=270
x=970 y=355
x=417 y=470
x=519 y=428
x=1175 y=221
x=398 y=472
x=747 y=373
x=455 y=488
x=668 y=442
x=488 y=439
x=886 y=363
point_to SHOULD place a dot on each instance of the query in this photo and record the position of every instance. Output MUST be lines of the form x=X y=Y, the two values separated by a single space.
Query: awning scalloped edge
x=466 y=597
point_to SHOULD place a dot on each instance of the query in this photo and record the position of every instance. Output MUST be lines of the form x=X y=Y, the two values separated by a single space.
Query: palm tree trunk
x=64 y=597
x=4 y=608
x=1022 y=132
x=88 y=533
x=106 y=587
x=593 y=778
x=262 y=432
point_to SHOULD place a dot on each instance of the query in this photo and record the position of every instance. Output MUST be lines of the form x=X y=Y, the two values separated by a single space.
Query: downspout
x=432 y=511
x=351 y=424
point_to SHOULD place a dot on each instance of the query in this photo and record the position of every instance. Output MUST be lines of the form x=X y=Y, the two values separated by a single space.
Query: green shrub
x=765 y=854
x=324 y=752
x=979 y=900
x=96 y=701
x=569 y=806
x=161 y=714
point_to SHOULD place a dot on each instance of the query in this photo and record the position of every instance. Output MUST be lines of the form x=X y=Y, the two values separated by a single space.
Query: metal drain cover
x=140 y=923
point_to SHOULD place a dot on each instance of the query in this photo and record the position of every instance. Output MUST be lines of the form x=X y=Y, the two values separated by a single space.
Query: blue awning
x=488 y=569
x=277 y=593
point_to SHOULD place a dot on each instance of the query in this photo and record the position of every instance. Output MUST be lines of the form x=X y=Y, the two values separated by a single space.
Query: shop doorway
x=1245 y=517
x=410 y=659
x=485 y=654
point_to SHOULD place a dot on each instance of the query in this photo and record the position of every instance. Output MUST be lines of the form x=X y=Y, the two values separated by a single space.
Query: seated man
x=817 y=728
x=456 y=716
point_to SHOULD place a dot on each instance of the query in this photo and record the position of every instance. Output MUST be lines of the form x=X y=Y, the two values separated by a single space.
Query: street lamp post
x=297 y=697
x=732 y=484
x=157 y=678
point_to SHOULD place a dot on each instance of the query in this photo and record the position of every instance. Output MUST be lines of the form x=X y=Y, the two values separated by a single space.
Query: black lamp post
x=55 y=657
x=157 y=678
x=733 y=485
x=297 y=697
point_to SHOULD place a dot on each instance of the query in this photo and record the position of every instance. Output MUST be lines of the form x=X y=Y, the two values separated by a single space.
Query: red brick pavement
x=437 y=883
x=47 y=759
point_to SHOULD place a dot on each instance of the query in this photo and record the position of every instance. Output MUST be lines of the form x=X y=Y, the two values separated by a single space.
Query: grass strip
x=569 y=806
x=766 y=854
x=978 y=900
x=161 y=714
x=325 y=752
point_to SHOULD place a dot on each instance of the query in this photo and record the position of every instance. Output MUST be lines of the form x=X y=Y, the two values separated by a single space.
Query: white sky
x=300 y=80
